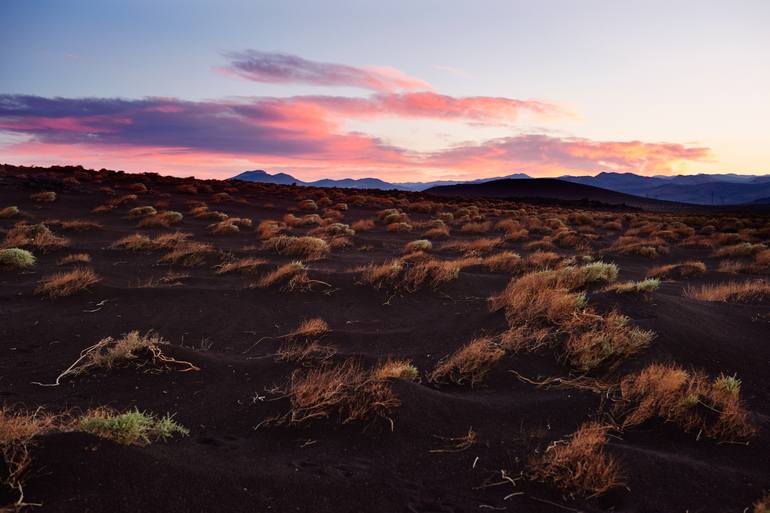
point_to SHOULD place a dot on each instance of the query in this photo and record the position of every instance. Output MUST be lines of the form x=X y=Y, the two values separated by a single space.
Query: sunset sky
x=403 y=91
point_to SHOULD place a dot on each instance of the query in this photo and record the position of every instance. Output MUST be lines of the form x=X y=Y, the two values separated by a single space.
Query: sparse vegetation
x=67 y=283
x=579 y=465
x=691 y=400
x=345 y=391
x=739 y=292
x=133 y=427
x=470 y=364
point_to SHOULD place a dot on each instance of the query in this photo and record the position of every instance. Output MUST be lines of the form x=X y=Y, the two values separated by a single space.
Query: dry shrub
x=433 y=272
x=188 y=253
x=144 y=211
x=109 y=353
x=475 y=246
x=690 y=400
x=542 y=259
x=476 y=227
x=307 y=204
x=161 y=220
x=17 y=431
x=363 y=225
x=224 y=228
x=293 y=276
x=544 y=245
x=762 y=259
x=399 y=227
x=381 y=275
x=187 y=188
x=248 y=265
x=762 y=505
x=418 y=245
x=546 y=296
x=631 y=245
x=441 y=232
x=8 y=212
x=470 y=364
x=311 y=248
x=308 y=354
x=744 y=249
x=683 y=270
x=595 y=341
x=507 y=262
x=43 y=197
x=345 y=391
x=76 y=225
x=399 y=369
x=579 y=465
x=636 y=287
x=67 y=283
x=76 y=258
x=268 y=229
x=134 y=242
x=732 y=266
x=36 y=235
x=739 y=292
x=306 y=220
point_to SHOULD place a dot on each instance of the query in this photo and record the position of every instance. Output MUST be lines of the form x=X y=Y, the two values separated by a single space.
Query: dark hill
x=551 y=189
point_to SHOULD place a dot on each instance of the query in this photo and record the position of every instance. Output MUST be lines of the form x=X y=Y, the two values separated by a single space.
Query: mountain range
x=700 y=189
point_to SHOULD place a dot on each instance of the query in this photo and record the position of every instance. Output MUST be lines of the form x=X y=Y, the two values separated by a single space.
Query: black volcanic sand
x=226 y=465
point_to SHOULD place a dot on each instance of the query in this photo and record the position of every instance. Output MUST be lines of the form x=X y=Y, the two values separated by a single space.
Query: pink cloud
x=306 y=133
x=281 y=68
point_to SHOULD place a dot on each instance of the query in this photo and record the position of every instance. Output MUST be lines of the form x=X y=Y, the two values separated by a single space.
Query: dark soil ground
x=226 y=465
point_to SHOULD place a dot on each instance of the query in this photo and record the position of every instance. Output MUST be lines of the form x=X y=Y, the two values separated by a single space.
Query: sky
x=400 y=90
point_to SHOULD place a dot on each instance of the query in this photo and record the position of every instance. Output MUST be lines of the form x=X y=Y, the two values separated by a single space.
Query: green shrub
x=631 y=287
x=131 y=428
x=15 y=258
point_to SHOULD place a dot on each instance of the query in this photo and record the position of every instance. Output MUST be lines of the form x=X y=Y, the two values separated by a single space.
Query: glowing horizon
x=399 y=116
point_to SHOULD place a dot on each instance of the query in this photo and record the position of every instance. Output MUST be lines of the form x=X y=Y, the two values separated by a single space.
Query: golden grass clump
x=161 y=220
x=399 y=369
x=475 y=246
x=8 y=212
x=312 y=248
x=399 y=227
x=595 y=341
x=36 y=235
x=547 y=296
x=506 y=261
x=345 y=391
x=579 y=465
x=43 y=197
x=75 y=258
x=188 y=254
x=470 y=364
x=293 y=276
x=744 y=249
x=248 y=265
x=732 y=292
x=682 y=270
x=692 y=401
x=418 y=245
x=67 y=283
x=363 y=225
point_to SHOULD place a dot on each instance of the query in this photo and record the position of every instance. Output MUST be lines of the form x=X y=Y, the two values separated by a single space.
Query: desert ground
x=187 y=345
